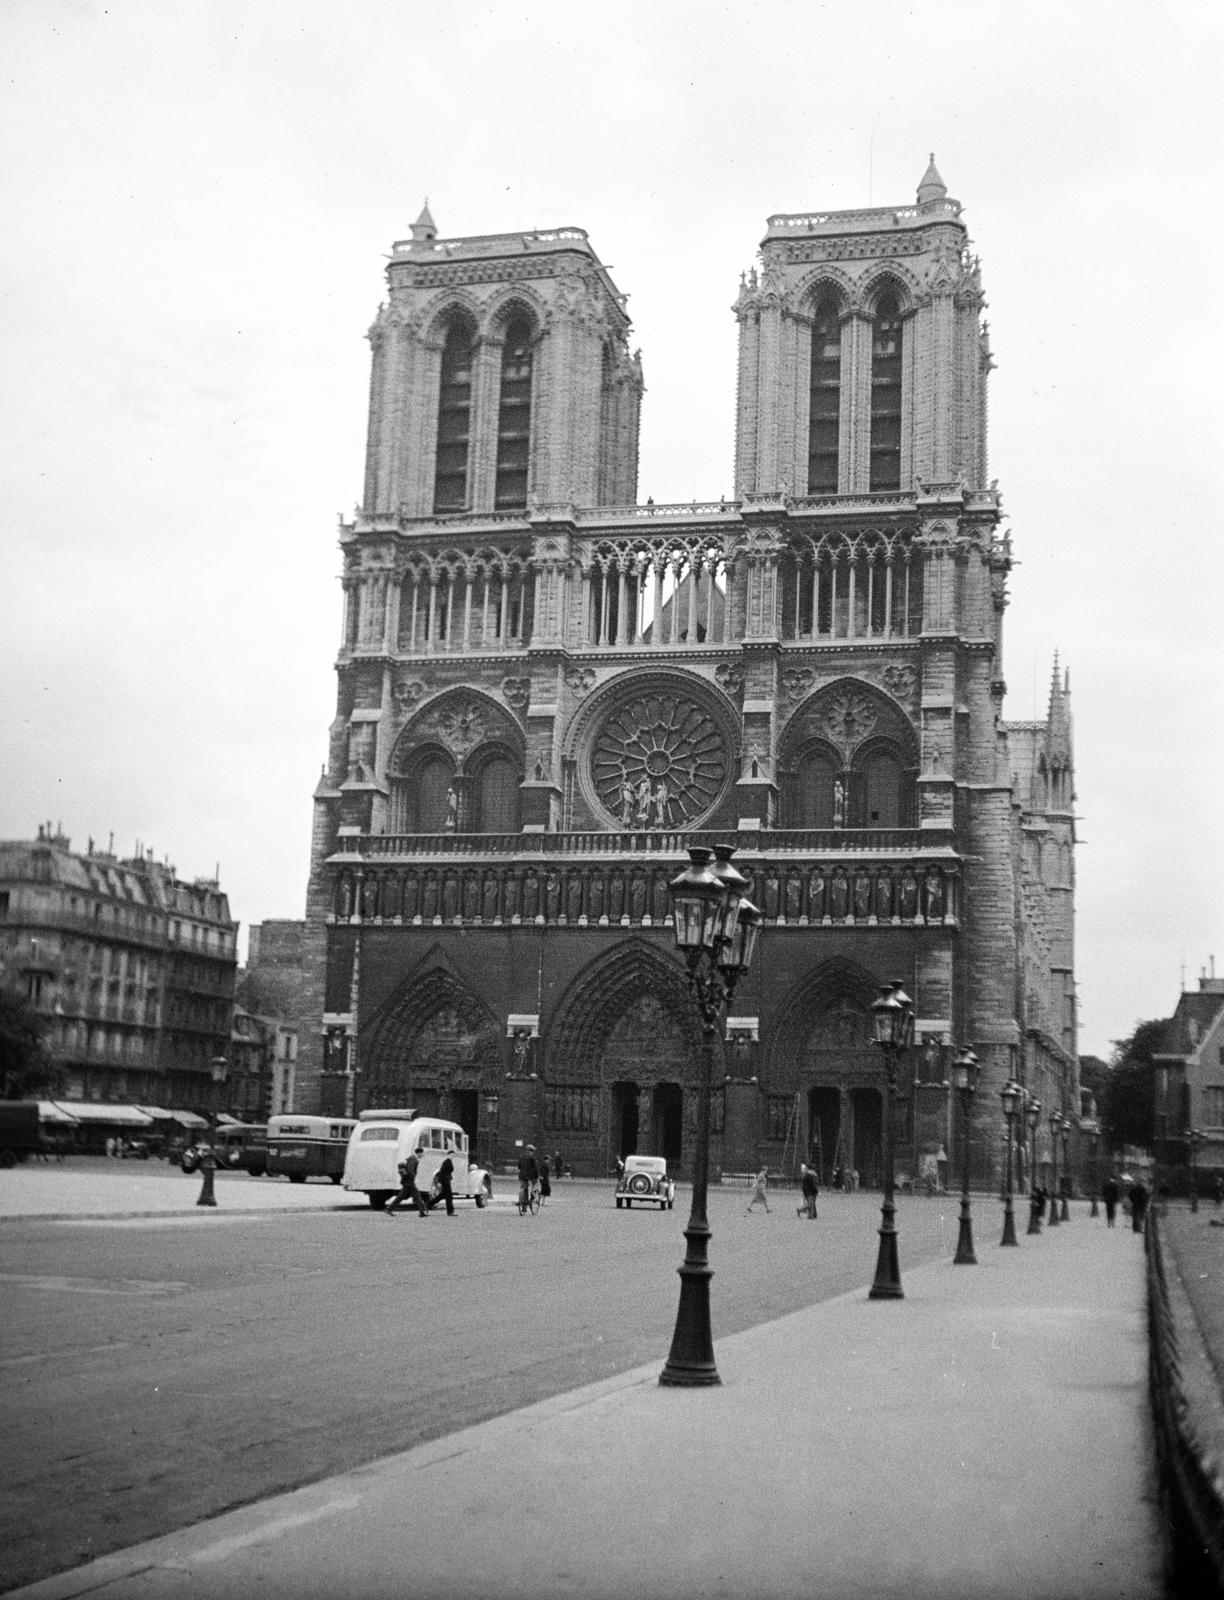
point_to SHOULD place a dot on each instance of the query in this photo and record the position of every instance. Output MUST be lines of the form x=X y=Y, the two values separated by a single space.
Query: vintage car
x=644 y=1178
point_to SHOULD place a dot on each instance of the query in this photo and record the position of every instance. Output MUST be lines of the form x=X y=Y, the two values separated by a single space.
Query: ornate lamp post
x=1054 y=1120
x=1065 y=1214
x=716 y=929
x=1194 y=1138
x=892 y=1017
x=208 y=1166
x=1032 y=1115
x=1009 y=1094
x=965 y=1070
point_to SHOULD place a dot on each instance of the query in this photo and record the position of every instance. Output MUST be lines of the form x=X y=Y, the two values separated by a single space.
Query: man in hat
x=529 y=1174
x=408 y=1188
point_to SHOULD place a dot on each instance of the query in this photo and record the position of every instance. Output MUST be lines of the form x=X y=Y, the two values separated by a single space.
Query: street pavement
x=986 y=1436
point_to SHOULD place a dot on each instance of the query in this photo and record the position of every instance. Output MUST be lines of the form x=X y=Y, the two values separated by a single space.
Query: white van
x=384 y=1138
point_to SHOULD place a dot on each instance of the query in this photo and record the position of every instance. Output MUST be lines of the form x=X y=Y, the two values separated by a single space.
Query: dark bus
x=308 y=1147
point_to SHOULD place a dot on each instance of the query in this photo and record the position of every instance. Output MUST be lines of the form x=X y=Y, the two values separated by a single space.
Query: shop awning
x=48 y=1111
x=116 y=1116
x=185 y=1119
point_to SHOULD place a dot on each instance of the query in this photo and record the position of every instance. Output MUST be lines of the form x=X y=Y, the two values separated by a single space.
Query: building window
x=514 y=418
x=454 y=420
x=1213 y=1105
x=824 y=414
x=886 y=394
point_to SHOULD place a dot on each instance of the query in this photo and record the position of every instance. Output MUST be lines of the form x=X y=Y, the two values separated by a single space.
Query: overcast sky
x=198 y=200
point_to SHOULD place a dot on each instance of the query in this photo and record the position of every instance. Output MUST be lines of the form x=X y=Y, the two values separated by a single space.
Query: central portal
x=645 y=1063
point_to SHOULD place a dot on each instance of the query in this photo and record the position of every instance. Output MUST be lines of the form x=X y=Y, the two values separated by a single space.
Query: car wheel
x=297 y=1177
x=379 y=1197
x=480 y=1200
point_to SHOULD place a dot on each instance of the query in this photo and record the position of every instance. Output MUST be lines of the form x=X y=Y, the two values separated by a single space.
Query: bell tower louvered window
x=454 y=421
x=886 y=394
x=514 y=418
x=824 y=415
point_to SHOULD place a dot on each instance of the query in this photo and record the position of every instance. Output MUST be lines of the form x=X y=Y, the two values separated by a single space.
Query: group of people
x=441 y=1191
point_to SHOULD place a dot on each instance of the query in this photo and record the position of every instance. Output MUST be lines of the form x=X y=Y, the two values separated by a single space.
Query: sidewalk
x=987 y=1436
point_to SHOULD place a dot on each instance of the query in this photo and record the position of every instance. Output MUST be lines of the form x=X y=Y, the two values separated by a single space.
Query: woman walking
x=758 y=1191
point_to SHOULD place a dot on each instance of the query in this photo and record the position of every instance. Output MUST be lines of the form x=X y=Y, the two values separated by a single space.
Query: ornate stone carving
x=579 y=680
x=797 y=681
x=459 y=725
x=658 y=761
x=517 y=691
x=848 y=719
x=406 y=692
x=899 y=681
x=729 y=676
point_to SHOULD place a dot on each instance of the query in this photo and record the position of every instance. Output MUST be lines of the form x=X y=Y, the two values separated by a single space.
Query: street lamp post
x=1054 y=1120
x=716 y=928
x=892 y=1017
x=208 y=1166
x=1065 y=1215
x=1009 y=1094
x=1032 y=1116
x=965 y=1071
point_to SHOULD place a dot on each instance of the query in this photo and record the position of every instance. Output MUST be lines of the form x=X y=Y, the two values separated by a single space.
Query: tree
x=25 y=1066
x=1128 y=1095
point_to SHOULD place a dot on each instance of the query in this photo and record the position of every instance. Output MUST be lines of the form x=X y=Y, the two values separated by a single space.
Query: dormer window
x=886 y=335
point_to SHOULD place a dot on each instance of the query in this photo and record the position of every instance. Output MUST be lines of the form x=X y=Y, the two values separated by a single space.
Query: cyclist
x=529 y=1175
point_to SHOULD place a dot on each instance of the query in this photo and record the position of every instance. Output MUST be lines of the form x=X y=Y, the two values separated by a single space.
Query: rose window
x=658 y=761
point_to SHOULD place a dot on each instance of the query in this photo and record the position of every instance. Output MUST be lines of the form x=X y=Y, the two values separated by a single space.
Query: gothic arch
x=451 y=305
x=598 y=998
x=460 y=721
x=824 y=282
x=832 y=986
x=387 y=1041
x=891 y=278
x=513 y=302
x=830 y=714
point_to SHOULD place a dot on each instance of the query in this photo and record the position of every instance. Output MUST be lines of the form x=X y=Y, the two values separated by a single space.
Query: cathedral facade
x=548 y=691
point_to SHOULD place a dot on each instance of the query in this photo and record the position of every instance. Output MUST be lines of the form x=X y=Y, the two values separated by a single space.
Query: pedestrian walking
x=758 y=1191
x=445 y=1192
x=1111 y=1193
x=528 y=1175
x=1139 y=1204
x=809 y=1188
x=408 y=1185
x=545 y=1185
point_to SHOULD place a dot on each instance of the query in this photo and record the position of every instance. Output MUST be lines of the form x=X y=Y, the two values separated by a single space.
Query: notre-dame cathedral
x=547 y=691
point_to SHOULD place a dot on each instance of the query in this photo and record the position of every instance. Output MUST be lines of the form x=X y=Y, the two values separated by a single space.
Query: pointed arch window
x=886 y=336
x=454 y=420
x=825 y=408
x=514 y=418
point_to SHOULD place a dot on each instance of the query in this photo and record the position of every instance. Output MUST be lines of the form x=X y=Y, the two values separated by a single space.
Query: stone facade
x=541 y=705
x=133 y=968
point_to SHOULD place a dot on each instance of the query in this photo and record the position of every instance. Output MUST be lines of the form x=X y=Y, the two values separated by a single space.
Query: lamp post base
x=964 y=1256
x=1034 y=1221
x=887 y=1285
x=690 y=1362
x=1009 y=1225
x=207 y=1197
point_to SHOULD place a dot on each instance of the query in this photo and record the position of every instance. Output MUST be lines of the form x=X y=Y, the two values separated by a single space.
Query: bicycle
x=529 y=1199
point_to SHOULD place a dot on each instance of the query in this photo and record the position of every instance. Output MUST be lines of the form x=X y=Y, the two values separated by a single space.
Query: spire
x=1058 y=724
x=424 y=228
x=932 y=187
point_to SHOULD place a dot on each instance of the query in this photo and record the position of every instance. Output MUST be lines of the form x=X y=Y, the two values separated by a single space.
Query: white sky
x=198 y=199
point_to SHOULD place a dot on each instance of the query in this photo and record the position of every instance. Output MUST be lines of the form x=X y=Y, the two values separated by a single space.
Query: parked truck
x=19 y=1134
